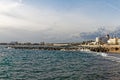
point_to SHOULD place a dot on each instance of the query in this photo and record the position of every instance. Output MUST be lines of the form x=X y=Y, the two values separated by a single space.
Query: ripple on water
x=56 y=65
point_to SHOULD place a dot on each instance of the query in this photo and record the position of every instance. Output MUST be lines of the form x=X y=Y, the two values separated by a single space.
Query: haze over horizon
x=55 y=20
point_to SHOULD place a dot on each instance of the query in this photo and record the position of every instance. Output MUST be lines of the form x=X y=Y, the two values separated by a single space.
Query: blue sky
x=55 y=20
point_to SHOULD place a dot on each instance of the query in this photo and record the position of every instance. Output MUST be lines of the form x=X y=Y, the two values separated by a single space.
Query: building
x=60 y=44
x=13 y=43
x=97 y=40
x=114 y=41
x=107 y=40
x=118 y=41
x=102 y=40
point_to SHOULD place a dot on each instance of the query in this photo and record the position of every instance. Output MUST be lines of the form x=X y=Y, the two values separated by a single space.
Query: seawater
x=57 y=65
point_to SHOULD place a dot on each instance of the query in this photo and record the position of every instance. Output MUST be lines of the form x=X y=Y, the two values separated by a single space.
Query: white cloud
x=41 y=22
x=15 y=14
x=8 y=5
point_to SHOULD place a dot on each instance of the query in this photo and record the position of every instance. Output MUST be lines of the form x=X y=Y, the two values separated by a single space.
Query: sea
x=23 y=64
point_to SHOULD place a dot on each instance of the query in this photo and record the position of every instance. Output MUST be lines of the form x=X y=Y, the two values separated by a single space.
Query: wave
x=102 y=54
x=2 y=54
x=109 y=57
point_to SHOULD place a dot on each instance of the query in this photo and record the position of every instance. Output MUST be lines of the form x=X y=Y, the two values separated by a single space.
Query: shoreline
x=95 y=48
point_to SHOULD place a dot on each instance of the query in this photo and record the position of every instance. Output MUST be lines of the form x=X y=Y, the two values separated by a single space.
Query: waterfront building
x=113 y=41
x=119 y=41
x=42 y=43
x=102 y=40
x=97 y=40
x=13 y=43
x=60 y=44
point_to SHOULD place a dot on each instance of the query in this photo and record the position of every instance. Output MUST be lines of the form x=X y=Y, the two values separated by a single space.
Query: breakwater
x=39 y=47
x=99 y=49
x=94 y=48
x=62 y=48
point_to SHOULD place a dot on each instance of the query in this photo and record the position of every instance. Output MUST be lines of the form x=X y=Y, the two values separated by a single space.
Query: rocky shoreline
x=94 y=48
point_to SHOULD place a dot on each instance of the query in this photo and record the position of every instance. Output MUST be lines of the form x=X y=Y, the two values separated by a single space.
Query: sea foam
x=109 y=57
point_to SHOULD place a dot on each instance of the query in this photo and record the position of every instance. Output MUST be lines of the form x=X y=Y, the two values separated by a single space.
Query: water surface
x=57 y=65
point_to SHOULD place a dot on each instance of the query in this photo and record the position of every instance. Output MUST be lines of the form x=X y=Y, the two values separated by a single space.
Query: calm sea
x=58 y=65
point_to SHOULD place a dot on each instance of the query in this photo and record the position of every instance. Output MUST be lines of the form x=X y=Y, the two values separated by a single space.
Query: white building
x=119 y=41
x=101 y=40
x=60 y=44
x=113 y=41
x=97 y=39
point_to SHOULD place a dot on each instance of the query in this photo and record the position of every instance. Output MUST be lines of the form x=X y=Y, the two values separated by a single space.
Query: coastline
x=95 y=48
x=114 y=49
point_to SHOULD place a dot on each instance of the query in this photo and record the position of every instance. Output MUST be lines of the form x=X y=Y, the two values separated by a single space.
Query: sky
x=55 y=20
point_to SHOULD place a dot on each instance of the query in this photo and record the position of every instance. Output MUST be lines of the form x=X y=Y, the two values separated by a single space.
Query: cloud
x=15 y=14
x=22 y=21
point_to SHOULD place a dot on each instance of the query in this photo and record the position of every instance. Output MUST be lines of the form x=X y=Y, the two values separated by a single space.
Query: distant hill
x=100 y=32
